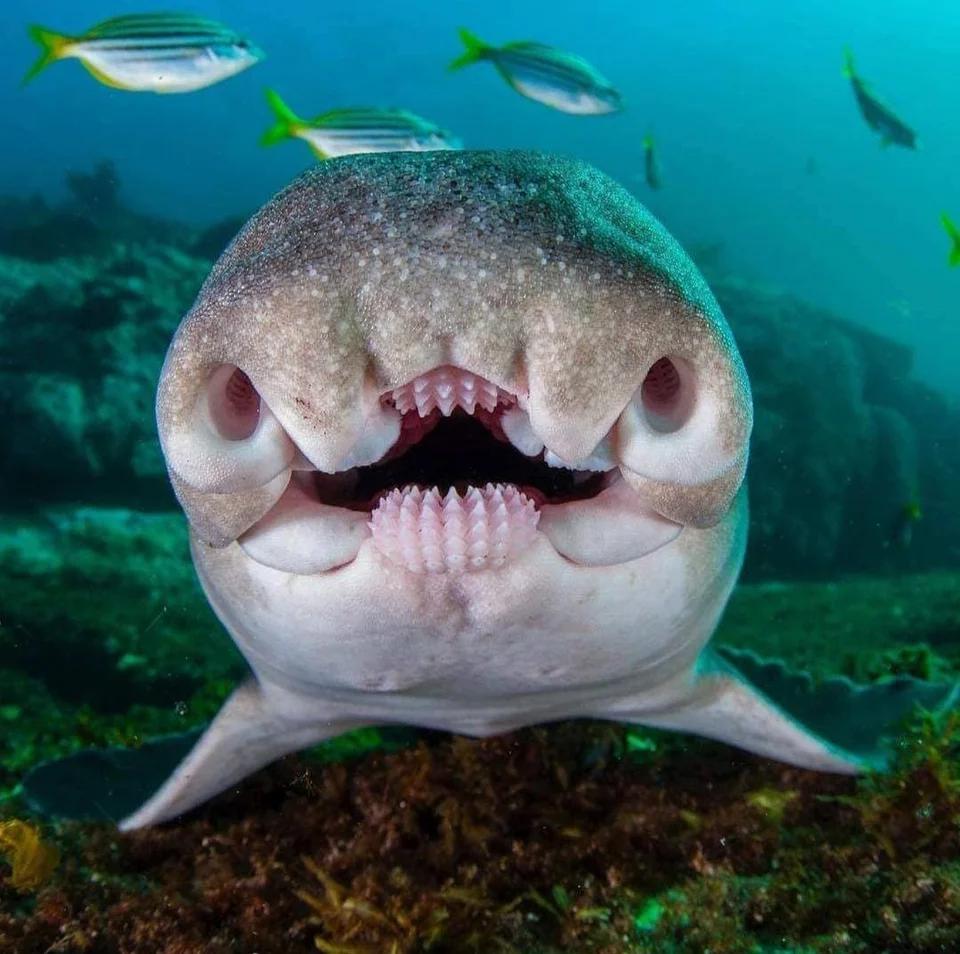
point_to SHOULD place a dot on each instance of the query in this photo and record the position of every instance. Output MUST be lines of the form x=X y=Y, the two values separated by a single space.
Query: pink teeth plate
x=425 y=531
x=448 y=388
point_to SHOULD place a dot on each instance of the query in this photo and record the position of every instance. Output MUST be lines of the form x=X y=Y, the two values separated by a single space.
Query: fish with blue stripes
x=150 y=52
x=555 y=78
x=356 y=129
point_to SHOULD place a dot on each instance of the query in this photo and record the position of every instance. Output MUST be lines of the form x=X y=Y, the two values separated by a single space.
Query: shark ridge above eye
x=438 y=417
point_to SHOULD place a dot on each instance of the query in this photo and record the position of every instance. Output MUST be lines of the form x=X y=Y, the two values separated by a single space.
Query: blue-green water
x=740 y=96
x=826 y=253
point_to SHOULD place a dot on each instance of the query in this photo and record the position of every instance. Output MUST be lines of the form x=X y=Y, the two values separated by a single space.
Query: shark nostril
x=234 y=403
x=667 y=394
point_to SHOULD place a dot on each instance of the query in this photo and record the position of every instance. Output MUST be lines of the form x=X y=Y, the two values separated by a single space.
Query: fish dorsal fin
x=531 y=45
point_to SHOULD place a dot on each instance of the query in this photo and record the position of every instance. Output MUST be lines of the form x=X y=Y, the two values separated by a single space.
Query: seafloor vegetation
x=578 y=837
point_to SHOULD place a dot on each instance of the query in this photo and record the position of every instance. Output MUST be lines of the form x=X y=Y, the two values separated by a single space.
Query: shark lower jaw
x=465 y=487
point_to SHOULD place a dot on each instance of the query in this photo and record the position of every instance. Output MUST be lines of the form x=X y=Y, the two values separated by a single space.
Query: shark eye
x=233 y=402
x=667 y=395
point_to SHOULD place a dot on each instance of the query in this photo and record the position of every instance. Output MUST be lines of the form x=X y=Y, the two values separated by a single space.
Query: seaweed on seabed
x=32 y=860
x=877 y=869
x=915 y=808
x=890 y=880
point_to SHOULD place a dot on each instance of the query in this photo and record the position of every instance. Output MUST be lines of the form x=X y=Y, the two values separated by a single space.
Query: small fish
x=953 y=257
x=880 y=118
x=544 y=74
x=651 y=167
x=150 y=52
x=341 y=132
x=902 y=531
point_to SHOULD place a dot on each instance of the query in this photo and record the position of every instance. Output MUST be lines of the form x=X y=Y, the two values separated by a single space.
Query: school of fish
x=180 y=53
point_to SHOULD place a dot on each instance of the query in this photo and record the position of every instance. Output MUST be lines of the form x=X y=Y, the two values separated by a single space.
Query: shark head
x=426 y=397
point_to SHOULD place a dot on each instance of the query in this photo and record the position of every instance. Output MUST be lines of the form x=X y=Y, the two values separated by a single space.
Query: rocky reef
x=844 y=441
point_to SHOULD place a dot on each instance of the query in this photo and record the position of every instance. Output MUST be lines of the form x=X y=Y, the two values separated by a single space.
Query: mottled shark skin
x=553 y=287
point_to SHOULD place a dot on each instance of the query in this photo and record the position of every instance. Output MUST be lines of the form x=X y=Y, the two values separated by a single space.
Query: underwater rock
x=843 y=439
x=215 y=238
x=85 y=339
x=31 y=229
x=528 y=842
x=96 y=192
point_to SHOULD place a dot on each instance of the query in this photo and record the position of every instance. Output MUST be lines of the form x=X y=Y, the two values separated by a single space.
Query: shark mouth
x=464 y=486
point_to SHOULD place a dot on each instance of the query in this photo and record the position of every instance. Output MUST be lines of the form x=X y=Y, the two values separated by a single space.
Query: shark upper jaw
x=450 y=478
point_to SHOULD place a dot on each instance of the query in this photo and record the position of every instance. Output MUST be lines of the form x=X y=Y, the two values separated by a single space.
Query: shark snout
x=418 y=384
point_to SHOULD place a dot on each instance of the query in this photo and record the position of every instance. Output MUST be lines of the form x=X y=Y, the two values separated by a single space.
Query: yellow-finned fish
x=151 y=52
x=879 y=117
x=341 y=132
x=953 y=256
x=651 y=166
x=564 y=81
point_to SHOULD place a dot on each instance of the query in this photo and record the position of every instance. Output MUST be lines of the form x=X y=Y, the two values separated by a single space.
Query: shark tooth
x=425 y=531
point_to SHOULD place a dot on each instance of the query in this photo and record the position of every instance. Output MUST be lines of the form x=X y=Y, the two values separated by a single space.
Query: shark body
x=515 y=327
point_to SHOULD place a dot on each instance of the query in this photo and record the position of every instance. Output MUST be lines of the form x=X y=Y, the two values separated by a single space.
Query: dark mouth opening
x=458 y=451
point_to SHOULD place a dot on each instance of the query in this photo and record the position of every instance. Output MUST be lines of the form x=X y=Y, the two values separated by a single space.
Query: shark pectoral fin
x=856 y=718
x=766 y=708
x=104 y=784
x=248 y=733
x=717 y=703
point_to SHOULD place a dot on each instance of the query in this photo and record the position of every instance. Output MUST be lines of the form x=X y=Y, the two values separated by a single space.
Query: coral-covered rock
x=845 y=443
x=84 y=340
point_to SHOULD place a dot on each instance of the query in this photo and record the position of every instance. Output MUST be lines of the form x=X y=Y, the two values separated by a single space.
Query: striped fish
x=341 y=132
x=153 y=52
x=563 y=81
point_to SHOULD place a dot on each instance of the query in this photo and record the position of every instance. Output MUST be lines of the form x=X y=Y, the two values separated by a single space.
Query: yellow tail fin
x=474 y=49
x=848 y=68
x=286 y=124
x=53 y=46
x=954 y=233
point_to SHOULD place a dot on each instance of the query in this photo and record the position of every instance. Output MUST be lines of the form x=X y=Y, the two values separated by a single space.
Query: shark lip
x=453 y=479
